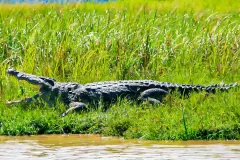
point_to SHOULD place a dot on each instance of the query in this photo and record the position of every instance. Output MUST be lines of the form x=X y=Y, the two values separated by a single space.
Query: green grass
x=174 y=41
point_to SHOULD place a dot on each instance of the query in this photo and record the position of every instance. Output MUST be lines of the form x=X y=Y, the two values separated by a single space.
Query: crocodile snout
x=12 y=72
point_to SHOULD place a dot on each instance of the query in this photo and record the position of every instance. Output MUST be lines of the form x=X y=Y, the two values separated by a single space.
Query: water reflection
x=97 y=147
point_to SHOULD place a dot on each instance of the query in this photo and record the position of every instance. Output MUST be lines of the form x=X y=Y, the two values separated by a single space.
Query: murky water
x=96 y=147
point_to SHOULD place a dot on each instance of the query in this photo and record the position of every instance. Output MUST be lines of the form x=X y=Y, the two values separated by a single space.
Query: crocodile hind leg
x=75 y=106
x=154 y=92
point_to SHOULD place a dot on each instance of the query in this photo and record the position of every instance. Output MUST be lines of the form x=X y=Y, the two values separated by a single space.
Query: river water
x=73 y=147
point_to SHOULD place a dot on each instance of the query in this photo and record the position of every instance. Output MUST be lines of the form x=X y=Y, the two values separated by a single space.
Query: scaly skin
x=78 y=95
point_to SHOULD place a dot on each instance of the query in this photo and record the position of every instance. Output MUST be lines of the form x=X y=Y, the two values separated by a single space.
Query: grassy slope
x=175 y=41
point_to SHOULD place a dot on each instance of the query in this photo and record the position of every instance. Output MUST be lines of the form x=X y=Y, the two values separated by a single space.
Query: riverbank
x=172 y=41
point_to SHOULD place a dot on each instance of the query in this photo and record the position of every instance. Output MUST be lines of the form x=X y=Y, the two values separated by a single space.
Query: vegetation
x=178 y=41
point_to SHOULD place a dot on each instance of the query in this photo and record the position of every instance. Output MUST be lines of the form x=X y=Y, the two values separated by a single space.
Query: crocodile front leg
x=75 y=106
x=156 y=92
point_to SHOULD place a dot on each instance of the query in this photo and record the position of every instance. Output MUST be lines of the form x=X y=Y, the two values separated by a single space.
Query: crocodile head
x=50 y=89
x=46 y=84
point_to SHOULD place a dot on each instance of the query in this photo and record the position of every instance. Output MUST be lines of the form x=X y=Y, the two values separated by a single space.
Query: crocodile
x=78 y=96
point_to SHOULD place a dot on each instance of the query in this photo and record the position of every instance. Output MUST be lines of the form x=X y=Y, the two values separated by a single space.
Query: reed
x=175 y=41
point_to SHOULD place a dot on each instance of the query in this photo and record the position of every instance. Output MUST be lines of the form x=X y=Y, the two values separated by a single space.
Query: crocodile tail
x=221 y=87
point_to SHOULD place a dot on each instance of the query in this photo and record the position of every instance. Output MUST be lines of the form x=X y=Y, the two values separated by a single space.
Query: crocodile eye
x=51 y=82
x=48 y=80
